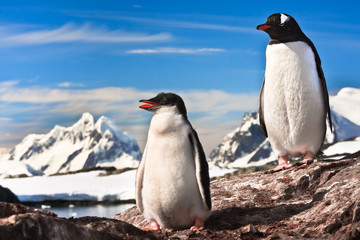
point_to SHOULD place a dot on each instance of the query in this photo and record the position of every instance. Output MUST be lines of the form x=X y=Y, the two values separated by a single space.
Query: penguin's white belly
x=170 y=192
x=294 y=111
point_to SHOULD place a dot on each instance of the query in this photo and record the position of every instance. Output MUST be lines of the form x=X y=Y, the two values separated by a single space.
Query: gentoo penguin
x=294 y=100
x=172 y=181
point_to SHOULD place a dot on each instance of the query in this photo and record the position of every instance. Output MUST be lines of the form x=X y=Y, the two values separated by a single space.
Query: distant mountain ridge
x=247 y=146
x=84 y=145
x=244 y=141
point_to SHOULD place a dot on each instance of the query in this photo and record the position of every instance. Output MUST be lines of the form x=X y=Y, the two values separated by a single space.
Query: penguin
x=172 y=181
x=294 y=100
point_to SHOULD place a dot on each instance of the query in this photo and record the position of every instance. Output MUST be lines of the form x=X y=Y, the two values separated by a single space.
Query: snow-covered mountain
x=83 y=145
x=246 y=145
x=347 y=103
x=343 y=129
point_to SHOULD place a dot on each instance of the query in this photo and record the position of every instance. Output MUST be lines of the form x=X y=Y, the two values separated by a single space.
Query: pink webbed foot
x=199 y=224
x=283 y=164
x=308 y=159
x=154 y=227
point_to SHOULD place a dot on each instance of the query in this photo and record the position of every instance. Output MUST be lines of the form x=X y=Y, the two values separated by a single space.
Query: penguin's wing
x=201 y=168
x=322 y=80
x=139 y=182
x=261 y=110
x=324 y=88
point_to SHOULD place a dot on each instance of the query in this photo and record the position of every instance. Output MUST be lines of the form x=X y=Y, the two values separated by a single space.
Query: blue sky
x=61 y=58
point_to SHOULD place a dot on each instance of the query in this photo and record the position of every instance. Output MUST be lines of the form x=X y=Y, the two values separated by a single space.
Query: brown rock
x=8 y=209
x=319 y=201
x=6 y=195
x=21 y=222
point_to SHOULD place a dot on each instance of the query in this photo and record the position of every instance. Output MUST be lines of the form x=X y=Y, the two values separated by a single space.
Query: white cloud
x=208 y=109
x=6 y=84
x=34 y=79
x=53 y=95
x=70 y=84
x=64 y=84
x=200 y=100
x=77 y=33
x=164 y=22
x=175 y=50
x=4 y=119
x=205 y=26
x=218 y=100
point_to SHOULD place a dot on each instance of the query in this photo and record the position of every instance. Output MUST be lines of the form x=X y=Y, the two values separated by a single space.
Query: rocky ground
x=318 y=201
x=21 y=222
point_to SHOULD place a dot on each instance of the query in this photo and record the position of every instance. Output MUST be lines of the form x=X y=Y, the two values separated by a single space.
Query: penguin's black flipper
x=202 y=169
x=261 y=110
x=324 y=90
x=322 y=79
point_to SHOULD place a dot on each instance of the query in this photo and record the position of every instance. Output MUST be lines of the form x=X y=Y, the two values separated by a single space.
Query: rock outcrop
x=6 y=195
x=318 y=201
x=20 y=222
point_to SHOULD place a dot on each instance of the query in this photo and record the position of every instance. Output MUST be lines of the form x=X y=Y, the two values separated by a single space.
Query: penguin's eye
x=163 y=102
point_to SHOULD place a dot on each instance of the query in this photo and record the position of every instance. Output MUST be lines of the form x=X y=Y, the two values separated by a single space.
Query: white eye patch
x=283 y=18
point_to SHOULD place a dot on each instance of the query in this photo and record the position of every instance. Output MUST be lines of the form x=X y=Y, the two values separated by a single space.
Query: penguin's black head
x=164 y=100
x=281 y=26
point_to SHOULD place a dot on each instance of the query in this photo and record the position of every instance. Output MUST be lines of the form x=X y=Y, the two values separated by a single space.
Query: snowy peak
x=348 y=92
x=85 y=123
x=82 y=145
x=106 y=126
x=35 y=144
x=347 y=104
x=249 y=121
x=343 y=129
x=240 y=142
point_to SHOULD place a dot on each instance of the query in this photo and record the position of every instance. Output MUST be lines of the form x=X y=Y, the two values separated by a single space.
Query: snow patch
x=349 y=146
x=80 y=186
x=74 y=187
